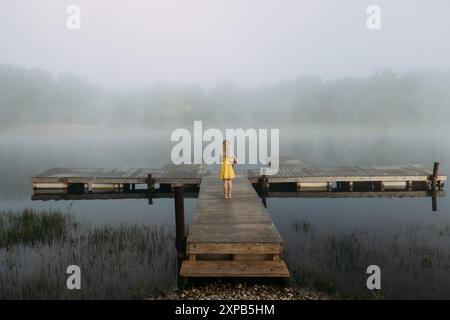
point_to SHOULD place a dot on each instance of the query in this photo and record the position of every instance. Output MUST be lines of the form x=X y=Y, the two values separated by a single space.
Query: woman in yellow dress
x=226 y=169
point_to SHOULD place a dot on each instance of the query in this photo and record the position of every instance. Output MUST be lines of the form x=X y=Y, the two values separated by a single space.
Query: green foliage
x=32 y=228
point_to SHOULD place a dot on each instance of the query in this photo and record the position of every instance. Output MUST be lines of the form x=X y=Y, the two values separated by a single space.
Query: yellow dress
x=226 y=168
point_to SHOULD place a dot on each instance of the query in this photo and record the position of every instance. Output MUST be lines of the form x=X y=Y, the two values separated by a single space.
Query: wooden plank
x=179 y=174
x=233 y=248
x=94 y=175
x=242 y=219
x=238 y=232
x=170 y=174
x=251 y=268
x=347 y=174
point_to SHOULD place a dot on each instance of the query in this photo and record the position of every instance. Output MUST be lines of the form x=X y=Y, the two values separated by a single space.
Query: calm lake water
x=328 y=242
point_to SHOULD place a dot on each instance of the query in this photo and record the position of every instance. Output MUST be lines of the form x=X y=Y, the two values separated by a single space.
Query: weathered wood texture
x=99 y=175
x=240 y=219
x=103 y=178
x=245 y=268
x=290 y=171
x=179 y=174
x=372 y=173
x=237 y=228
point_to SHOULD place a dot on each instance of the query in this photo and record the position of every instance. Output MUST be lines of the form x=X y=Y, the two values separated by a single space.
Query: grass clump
x=126 y=261
x=32 y=228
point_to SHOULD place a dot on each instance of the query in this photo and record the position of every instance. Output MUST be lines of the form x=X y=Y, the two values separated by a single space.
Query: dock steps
x=247 y=268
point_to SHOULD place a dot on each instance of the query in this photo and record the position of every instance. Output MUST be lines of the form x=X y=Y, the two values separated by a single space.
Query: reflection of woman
x=226 y=169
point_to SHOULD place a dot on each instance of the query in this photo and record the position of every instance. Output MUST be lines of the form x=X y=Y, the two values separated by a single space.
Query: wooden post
x=150 y=188
x=434 y=182
x=434 y=200
x=264 y=188
x=265 y=183
x=434 y=177
x=180 y=237
x=409 y=185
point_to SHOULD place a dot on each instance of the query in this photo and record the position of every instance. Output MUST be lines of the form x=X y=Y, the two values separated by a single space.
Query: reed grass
x=128 y=261
x=31 y=228
x=414 y=260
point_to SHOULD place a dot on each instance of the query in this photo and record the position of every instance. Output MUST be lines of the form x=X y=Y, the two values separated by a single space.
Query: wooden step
x=233 y=248
x=264 y=268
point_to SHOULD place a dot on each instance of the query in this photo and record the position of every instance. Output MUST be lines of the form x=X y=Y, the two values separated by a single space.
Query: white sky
x=132 y=43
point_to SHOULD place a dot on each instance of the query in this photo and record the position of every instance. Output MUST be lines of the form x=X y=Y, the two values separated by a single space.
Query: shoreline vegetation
x=117 y=262
x=131 y=261
x=413 y=258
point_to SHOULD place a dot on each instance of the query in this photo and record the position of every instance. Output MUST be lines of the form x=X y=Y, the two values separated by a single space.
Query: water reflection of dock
x=235 y=237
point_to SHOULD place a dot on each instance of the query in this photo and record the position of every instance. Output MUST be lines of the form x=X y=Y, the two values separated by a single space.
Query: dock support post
x=434 y=185
x=409 y=185
x=180 y=239
x=264 y=188
x=434 y=177
x=150 y=188
x=180 y=233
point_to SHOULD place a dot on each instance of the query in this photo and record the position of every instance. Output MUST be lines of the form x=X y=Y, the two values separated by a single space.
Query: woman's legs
x=230 y=187
x=225 y=188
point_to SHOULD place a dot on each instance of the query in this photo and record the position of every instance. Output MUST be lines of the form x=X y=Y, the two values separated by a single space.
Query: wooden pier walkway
x=232 y=238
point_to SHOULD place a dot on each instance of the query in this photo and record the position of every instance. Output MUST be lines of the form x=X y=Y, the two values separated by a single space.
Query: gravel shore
x=244 y=291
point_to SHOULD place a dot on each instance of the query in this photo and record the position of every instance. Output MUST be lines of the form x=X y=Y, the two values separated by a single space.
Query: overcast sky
x=248 y=42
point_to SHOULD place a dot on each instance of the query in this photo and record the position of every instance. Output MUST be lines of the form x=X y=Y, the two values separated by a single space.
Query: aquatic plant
x=128 y=261
x=414 y=260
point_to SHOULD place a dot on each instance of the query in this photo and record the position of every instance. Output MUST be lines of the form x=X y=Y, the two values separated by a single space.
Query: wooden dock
x=346 y=179
x=116 y=179
x=369 y=178
x=235 y=238
x=232 y=238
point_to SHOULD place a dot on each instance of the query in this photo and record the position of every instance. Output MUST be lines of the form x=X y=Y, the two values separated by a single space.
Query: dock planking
x=179 y=174
x=232 y=238
x=290 y=172
x=346 y=174
x=103 y=178
x=64 y=176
